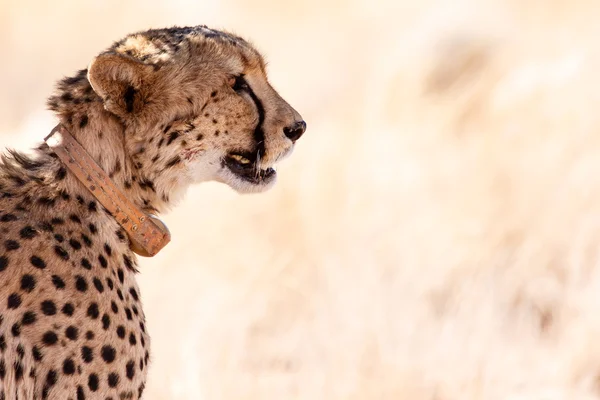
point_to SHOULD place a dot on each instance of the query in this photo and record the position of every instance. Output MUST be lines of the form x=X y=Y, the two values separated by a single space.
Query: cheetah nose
x=295 y=131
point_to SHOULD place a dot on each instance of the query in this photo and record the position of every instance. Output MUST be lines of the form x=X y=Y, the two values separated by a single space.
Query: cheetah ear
x=120 y=81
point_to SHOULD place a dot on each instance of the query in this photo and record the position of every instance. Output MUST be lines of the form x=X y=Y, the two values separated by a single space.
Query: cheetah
x=157 y=111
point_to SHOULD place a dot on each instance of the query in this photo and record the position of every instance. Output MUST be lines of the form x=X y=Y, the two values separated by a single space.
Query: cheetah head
x=197 y=106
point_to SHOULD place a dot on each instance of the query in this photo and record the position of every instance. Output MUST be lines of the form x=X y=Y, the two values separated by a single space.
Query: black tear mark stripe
x=259 y=134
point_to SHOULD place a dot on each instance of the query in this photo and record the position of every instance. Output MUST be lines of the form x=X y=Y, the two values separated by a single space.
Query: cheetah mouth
x=244 y=168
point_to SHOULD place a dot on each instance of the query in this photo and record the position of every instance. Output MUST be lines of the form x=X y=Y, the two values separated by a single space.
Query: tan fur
x=158 y=113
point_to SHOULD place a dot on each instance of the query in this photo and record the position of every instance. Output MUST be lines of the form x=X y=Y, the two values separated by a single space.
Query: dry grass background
x=435 y=235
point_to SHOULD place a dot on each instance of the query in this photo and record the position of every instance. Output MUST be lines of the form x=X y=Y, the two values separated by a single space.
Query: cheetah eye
x=238 y=83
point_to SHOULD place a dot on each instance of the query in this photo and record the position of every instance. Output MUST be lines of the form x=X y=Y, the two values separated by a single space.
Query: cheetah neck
x=147 y=235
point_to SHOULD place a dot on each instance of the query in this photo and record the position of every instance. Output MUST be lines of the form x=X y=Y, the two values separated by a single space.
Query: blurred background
x=436 y=234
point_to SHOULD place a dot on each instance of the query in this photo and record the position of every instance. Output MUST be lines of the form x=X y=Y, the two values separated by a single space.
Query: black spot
x=121 y=331
x=59 y=238
x=72 y=332
x=80 y=200
x=76 y=245
x=46 y=227
x=108 y=353
x=128 y=263
x=57 y=221
x=147 y=184
x=92 y=311
x=58 y=282
x=2 y=369
x=14 y=301
x=20 y=351
x=49 y=338
x=199 y=137
x=174 y=135
x=129 y=98
x=48 y=307
x=93 y=382
x=132 y=339
x=51 y=378
x=46 y=201
x=18 y=370
x=27 y=283
x=114 y=307
x=107 y=249
x=68 y=309
x=85 y=263
x=98 y=285
x=29 y=318
x=113 y=379
x=75 y=218
x=37 y=262
x=103 y=262
x=3 y=263
x=83 y=122
x=37 y=355
x=93 y=207
x=110 y=283
x=66 y=97
x=65 y=196
x=86 y=240
x=80 y=283
x=17 y=180
x=120 y=294
x=93 y=229
x=61 y=174
x=2 y=343
x=62 y=253
x=128 y=313
x=134 y=294
x=89 y=335
x=8 y=218
x=121 y=275
x=130 y=368
x=87 y=355
x=11 y=245
x=105 y=322
x=173 y=161
x=16 y=329
x=80 y=393
x=28 y=233
x=68 y=367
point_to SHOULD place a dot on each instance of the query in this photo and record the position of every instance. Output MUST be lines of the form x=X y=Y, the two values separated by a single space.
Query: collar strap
x=147 y=234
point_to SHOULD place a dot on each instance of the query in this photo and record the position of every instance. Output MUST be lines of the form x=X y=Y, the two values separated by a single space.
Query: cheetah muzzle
x=158 y=111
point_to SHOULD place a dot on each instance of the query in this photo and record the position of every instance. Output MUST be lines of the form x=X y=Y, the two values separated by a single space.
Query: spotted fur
x=158 y=111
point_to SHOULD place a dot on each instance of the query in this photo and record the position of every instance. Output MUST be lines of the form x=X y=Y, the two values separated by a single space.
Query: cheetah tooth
x=240 y=159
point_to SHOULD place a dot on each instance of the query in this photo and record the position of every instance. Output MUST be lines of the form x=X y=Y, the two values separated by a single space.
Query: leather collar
x=147 y=234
